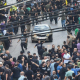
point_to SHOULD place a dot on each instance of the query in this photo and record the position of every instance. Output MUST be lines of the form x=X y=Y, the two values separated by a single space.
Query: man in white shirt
x=21 y=76
x=66 y=57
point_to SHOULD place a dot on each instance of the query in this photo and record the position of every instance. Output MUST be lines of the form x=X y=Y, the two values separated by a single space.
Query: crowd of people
x=62 y=63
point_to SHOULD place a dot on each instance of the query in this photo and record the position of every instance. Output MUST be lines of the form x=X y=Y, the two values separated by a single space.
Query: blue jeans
x=63 y=23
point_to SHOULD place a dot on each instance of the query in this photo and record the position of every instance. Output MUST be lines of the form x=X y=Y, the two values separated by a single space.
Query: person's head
x=45 y=57
x=52 y=61
x=17 y=61
x=1 y=64
x=63 y=65
x=73 y=41
x=49 y=51
x=48 y=61
x=69 y=78
x=60 y=63
x=64 y=42
x=16 y=65
x=39 y=41
x=56 y=55
x=54 y=72
x=22 y=73
x=23 y=58
x=69 y=67
x=7 y=52
x=29 y=67
x=3 y=22
x=75 y=49
x=65 y=51
x=28 y=53
x=34 y=54
x=78 y=54
x=30 y=56
x=70 y=33
x=53 y=46
x=58 y=46
x=45 y=73
x=73 y=75
x=55 y=7
x=72 y=66
x=45 y=49
x=43 y=64
x=38 y=69
x=68 y=37
x=6 y=66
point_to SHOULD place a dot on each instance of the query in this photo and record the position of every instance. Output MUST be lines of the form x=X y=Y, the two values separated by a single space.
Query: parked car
x=42 y=32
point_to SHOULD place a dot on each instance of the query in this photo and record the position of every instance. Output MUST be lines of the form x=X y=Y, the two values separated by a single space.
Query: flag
x=66 y=2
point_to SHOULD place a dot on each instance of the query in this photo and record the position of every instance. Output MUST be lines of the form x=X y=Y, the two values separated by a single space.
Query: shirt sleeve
x=36 y=44
x=58 y=68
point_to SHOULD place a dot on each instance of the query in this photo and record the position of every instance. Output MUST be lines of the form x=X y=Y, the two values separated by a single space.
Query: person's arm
x=35 y=45
x=35 y=63
x=18 y=40
x=1 y=73
x=65 y=78
x=6 y=76
x=67 y=41
x=27 y=66
x=26 y=40
x=43 y=42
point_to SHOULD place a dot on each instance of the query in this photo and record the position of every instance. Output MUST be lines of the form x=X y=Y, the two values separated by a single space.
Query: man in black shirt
x=39 y=46
x=29 y=73
x=7 y=72
x=38 y=73
x=76 y=56
x=21 y=55
x=42 y=51
x=16 y=72
x=62 y=72
x=7 y=62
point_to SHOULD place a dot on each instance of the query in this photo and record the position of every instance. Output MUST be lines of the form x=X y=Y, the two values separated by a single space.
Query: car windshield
x=41 y=28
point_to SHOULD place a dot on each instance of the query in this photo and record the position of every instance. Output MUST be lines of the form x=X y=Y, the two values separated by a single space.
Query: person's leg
x=21 y=29
x=32 y=21
x=62 y=23
x=28 y=28
x=56 y=20
x=71 y=50
x=22 y=47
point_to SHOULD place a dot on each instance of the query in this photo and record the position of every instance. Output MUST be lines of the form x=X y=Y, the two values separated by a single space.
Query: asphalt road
x=58 y=38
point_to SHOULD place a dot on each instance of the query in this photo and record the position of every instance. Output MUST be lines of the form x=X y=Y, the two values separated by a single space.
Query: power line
x=53 y=16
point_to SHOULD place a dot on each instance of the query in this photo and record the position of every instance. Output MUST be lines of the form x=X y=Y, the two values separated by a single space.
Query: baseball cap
x=52 y=60
x=28 y=52
x=21 y=52
x=58 y=59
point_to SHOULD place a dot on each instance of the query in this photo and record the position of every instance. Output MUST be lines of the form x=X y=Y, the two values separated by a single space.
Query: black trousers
x=23 y=45
x=55 y=20
x=22 y=29
x=71 y=50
